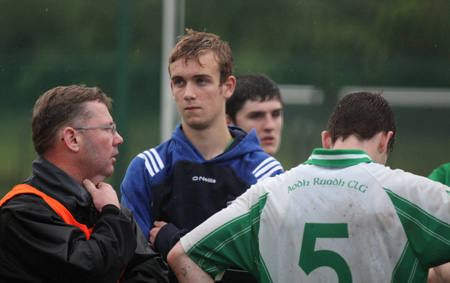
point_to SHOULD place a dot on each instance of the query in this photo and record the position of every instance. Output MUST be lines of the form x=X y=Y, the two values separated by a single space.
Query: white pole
x=170 y=29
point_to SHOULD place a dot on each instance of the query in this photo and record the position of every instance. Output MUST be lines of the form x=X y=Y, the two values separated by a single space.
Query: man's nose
x=189 y=91
x=269 y=122
x=117 y=139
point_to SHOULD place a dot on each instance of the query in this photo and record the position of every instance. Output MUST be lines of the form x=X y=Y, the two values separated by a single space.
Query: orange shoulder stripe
x=60 y=209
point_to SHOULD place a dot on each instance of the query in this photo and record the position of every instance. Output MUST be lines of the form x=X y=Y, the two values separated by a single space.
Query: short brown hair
x=194 y=43
x=363 y=114
x=61 y=106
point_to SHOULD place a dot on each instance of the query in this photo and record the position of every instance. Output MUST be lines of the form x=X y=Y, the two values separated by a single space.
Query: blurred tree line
x=329 y=44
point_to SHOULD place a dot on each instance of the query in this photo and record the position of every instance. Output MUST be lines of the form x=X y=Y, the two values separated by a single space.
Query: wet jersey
x=339 y=217
x=441 y=174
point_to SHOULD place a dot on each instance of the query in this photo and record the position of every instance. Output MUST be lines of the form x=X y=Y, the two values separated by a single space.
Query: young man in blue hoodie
x=206 y=165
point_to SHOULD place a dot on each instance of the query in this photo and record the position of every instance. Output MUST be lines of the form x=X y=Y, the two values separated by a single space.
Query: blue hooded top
x=174 y=183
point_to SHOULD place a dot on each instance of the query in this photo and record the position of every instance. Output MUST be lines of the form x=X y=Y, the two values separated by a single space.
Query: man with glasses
x=64 y=224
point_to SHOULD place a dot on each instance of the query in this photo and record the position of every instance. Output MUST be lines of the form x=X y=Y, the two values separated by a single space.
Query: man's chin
x=270 y=149
x=102 y=177
x=196 y=125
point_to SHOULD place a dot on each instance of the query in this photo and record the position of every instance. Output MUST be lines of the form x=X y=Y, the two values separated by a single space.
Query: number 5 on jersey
x=311 y=259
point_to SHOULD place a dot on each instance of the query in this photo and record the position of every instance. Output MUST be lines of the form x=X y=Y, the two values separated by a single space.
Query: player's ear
x=384 y=140
x=229 y=86
x=229 y=121
x=326 y=140
x=171 y=87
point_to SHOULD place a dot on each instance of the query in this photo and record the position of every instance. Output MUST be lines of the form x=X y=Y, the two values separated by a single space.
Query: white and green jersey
x=339 y=217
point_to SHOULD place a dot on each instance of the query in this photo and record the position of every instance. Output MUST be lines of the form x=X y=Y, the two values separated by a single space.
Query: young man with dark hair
x=256 y=104
x=342 y=216
x=52 y=229
x=177 y=185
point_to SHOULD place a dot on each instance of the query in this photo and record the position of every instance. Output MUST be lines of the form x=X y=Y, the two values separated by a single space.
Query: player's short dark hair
x=60 y=106
x=363 y=114
x=255 y=87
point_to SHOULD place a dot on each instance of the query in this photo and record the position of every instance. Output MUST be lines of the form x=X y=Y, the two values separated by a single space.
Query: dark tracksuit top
x=36 y=245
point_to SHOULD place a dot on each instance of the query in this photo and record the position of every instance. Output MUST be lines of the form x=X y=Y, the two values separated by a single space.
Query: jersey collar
x=338 y=157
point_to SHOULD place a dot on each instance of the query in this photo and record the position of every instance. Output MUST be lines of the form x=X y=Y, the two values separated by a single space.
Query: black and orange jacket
x=38 y=243
x=65 y=215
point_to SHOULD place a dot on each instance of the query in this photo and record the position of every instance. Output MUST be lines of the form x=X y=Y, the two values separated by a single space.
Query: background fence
x=320 y=47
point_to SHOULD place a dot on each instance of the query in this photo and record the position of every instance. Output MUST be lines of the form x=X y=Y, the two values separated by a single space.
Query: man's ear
x=229 y=86
x=71 y=139
x=171 y=88
x=326 y=140
x=229 y=121
x=384 y=140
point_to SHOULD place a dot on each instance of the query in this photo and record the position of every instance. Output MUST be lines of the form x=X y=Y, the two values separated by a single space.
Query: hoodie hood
x=243 y=144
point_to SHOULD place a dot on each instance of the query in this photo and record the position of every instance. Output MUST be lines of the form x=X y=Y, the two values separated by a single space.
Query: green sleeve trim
x=234 y=243
x=428 y=235
x=408 y=268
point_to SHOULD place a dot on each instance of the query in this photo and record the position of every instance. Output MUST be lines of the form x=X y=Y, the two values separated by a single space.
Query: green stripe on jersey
x=408 y=268
x=233 y=240
x=338 y=157
x=424 y=231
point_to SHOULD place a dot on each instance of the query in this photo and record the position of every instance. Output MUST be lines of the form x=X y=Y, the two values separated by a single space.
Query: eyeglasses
x=112 y=127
